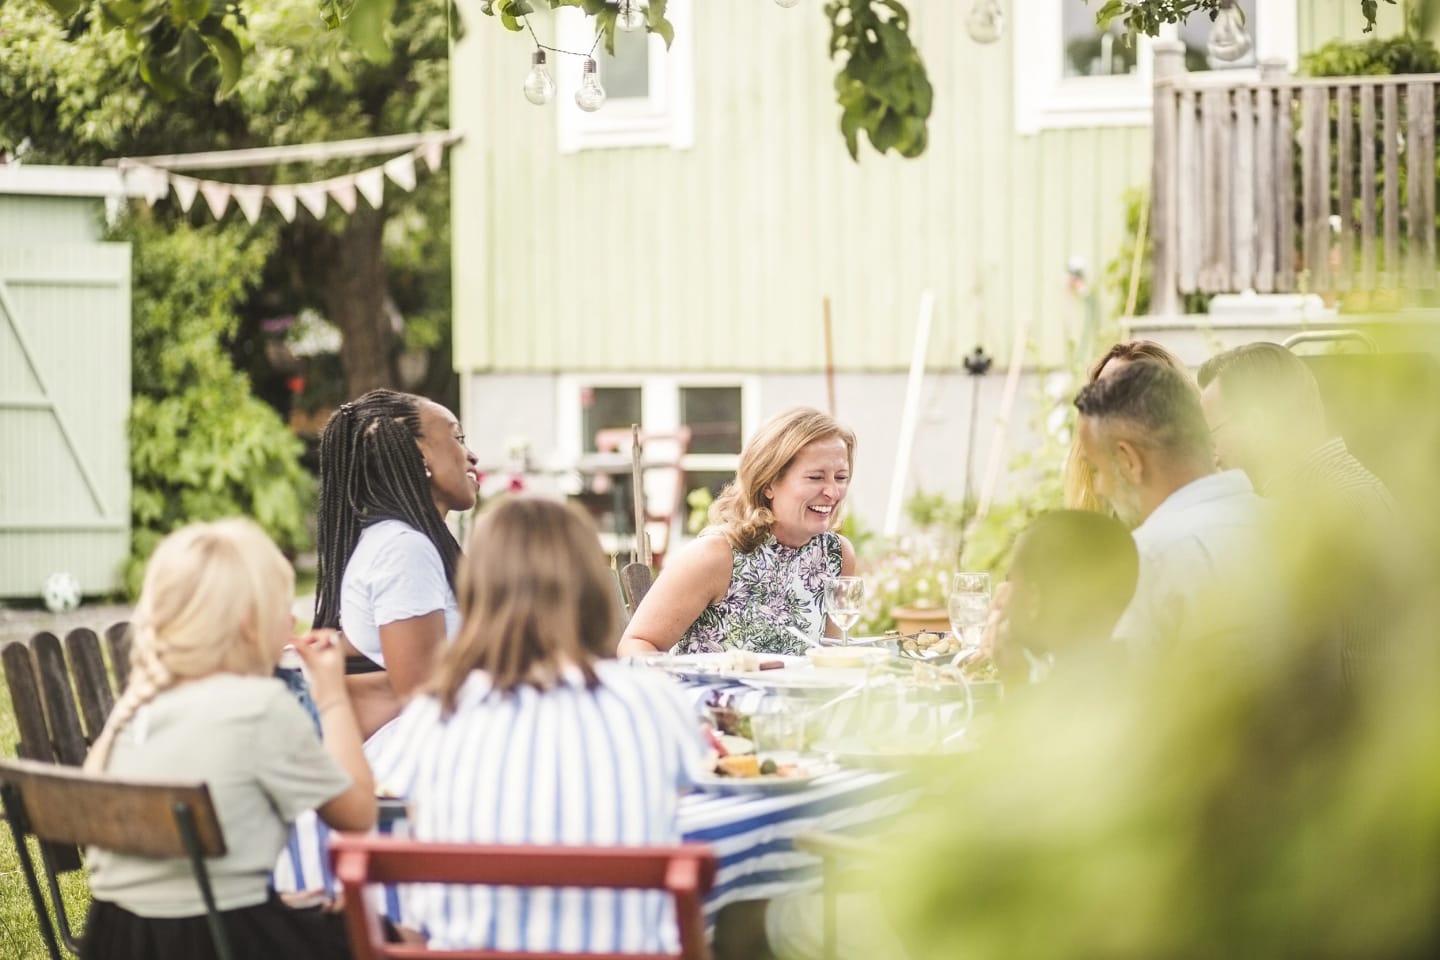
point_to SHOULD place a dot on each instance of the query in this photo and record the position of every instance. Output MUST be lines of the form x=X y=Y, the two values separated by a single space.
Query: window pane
x=712 y=480
x=605 y=408
x=1195 y=33
x=713 y=416
x=1087 y=51
x=627 y=74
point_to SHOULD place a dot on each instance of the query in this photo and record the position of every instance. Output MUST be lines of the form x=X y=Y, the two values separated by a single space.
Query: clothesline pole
x=910 y=416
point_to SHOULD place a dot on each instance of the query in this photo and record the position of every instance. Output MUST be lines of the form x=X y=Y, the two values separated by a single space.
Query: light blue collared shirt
x=1204 y=563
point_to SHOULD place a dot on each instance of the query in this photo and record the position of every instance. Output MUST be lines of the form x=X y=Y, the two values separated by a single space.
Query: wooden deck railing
x=1284 y=184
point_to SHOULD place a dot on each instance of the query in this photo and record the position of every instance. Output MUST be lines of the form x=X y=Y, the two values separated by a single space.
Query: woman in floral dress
x=755 y=579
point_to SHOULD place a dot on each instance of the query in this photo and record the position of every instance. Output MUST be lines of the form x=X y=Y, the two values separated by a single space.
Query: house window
x=1068 y=73
x=649 y=89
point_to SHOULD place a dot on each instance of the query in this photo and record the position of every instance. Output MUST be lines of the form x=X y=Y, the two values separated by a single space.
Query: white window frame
x=659 y=410
x=1046 y=99
x=665 y=118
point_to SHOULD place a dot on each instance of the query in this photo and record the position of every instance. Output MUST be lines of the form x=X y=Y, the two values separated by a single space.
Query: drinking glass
x=969 y=608
x=843 y=596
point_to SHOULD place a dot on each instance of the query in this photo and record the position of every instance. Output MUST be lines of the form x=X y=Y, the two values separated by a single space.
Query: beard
x=1126 y=503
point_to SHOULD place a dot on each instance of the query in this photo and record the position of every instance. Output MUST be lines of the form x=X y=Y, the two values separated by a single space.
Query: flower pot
x=915 y=619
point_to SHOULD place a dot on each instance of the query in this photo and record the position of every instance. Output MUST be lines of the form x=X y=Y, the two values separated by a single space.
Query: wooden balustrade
x=1283 y=184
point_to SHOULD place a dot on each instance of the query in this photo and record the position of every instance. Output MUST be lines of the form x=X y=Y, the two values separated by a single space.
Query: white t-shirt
x=249 y=740
x=395 y=573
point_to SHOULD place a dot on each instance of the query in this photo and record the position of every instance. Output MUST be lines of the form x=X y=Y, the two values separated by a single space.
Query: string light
x=631 y=16
x=591 y=96
x=986 y=21
x=539 y=87
x=786 y=3
x=1228 y=40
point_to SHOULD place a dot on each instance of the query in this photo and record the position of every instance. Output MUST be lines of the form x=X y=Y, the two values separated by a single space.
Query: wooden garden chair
x=846 y=866
x=66 y=808
x=686 y=872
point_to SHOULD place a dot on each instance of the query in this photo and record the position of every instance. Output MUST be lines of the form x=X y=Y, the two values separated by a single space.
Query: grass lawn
x=19 y=927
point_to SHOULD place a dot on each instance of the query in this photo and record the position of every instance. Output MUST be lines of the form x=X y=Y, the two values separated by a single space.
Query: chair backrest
x=65 y=805
x=664 y=478
x=635 y=582
x=686 y=871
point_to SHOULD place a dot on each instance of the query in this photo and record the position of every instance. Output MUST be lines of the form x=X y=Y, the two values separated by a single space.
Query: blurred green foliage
x=201 y=445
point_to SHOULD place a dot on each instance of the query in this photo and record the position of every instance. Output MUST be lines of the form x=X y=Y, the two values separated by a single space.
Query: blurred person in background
x=1198 y=531
x=1268 y=419
x=1072 y=576
x=1079 y=480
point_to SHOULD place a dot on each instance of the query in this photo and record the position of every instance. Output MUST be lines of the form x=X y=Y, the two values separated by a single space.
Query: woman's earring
x=428 y=474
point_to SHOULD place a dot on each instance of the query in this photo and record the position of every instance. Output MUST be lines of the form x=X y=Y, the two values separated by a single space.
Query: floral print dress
x=773 y=589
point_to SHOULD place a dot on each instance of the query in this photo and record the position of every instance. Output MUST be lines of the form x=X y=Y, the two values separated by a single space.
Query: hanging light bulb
x=986 y=21
x=539 y=88
x=1228 y=40
x=591 y=96
x=631 y=16
x=786 y=3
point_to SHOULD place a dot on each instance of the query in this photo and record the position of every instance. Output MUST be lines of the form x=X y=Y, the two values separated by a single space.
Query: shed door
x=64 y=403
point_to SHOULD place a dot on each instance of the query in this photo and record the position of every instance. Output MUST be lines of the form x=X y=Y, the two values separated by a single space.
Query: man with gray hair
x=1199 y=532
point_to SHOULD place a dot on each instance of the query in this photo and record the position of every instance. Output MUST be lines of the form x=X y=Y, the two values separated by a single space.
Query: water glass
x=843 y=597
x=969 y=607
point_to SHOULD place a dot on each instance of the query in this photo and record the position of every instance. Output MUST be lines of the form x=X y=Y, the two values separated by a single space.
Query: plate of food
x=929 y=645
x=725 y=663
x=752 y=773
x=846 y=657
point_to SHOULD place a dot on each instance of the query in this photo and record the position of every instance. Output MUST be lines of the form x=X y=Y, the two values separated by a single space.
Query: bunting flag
x=371 y=184
x=185 y=190
x=342 y=191
x=217 y=196
x=250 y=198
x=284 y=200
x=155 y=184
x=402 y=171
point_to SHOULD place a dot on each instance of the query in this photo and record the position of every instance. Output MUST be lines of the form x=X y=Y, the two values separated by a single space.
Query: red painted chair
x=686 y=872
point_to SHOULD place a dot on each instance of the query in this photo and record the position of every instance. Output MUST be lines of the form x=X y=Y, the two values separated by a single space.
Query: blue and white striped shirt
x=563 y=766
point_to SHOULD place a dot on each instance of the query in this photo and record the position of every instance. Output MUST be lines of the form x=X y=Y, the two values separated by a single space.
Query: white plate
x=711 y=665
x=803 y=678
x=727 y=786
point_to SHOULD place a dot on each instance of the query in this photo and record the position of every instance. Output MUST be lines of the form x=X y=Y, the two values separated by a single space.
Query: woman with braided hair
x=213 y=617
x=392 y=467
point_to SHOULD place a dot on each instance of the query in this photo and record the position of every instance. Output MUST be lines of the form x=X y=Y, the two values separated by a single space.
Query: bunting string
x=154 y=183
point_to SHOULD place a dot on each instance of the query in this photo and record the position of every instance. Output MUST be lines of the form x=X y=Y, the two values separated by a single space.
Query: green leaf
x=228 y=53
x=368 y=25
x=850 y=130
x=190 y=11
x=1108 y=12
x=64 y=9
x=665 y=30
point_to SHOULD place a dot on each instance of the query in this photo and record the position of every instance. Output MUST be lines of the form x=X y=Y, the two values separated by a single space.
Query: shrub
x=201 y=445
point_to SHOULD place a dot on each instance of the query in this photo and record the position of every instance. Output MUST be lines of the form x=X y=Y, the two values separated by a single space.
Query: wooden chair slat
x=29 y=705
x=92 y=682
x=636 y=580
x=66 y=805
x=61 y=713
x=117 y=641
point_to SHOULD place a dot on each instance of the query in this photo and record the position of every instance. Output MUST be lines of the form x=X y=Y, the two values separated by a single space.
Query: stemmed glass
x=969 y=608
x=843 y=596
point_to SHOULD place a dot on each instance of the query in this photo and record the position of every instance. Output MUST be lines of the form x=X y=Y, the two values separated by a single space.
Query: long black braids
x=371 y=469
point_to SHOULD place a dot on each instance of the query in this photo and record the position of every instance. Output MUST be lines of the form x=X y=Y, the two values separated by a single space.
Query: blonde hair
x=211 y=590
x=536 y=595
x=1079 y=489
x=742 y=511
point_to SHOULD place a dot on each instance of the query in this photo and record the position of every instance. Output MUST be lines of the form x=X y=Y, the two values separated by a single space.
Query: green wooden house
x=64 y=381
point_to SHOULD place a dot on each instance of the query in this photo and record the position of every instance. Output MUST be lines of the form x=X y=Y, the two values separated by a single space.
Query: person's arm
x=696 y=577
x=353 y=809
x=411 y=648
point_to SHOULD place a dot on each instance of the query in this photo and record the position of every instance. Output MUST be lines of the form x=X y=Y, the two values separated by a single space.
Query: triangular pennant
x=284 y=200
x=185 y=188
x=152 y=183
x=314 y=198
x=342 y=189
x=217 y=196
x=402 y=171
x=371 y=184
x=433 y=151
x=250 y=199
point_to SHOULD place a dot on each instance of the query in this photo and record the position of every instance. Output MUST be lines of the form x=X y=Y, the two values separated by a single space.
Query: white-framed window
x=1067 y=73
x=720 y=410
x=650 y=91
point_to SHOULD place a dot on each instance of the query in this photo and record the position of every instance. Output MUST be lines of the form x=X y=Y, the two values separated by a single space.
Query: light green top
x=250 y=741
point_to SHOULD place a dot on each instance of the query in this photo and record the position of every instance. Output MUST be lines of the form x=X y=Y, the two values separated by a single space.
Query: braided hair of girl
x=371 y=469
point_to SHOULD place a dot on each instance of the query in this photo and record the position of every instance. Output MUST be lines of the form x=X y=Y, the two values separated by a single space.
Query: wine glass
x=843 y=596
x=969 y=608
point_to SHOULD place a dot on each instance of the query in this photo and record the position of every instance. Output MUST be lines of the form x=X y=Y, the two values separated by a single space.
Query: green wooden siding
x=64 y=400
x=1321 y=21
x=718 y=257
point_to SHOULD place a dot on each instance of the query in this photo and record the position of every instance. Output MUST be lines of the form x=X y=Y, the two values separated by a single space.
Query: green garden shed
x=64 y=380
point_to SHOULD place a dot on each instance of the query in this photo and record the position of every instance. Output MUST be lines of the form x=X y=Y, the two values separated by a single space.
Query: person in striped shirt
x=531 y=733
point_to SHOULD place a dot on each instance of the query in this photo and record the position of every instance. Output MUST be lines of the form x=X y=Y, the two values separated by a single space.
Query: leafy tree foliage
x=1147 y=16
x=201 y=445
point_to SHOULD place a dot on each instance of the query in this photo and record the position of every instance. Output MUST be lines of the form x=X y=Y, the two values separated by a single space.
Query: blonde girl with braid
x=393 y=466
x=201 y=704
